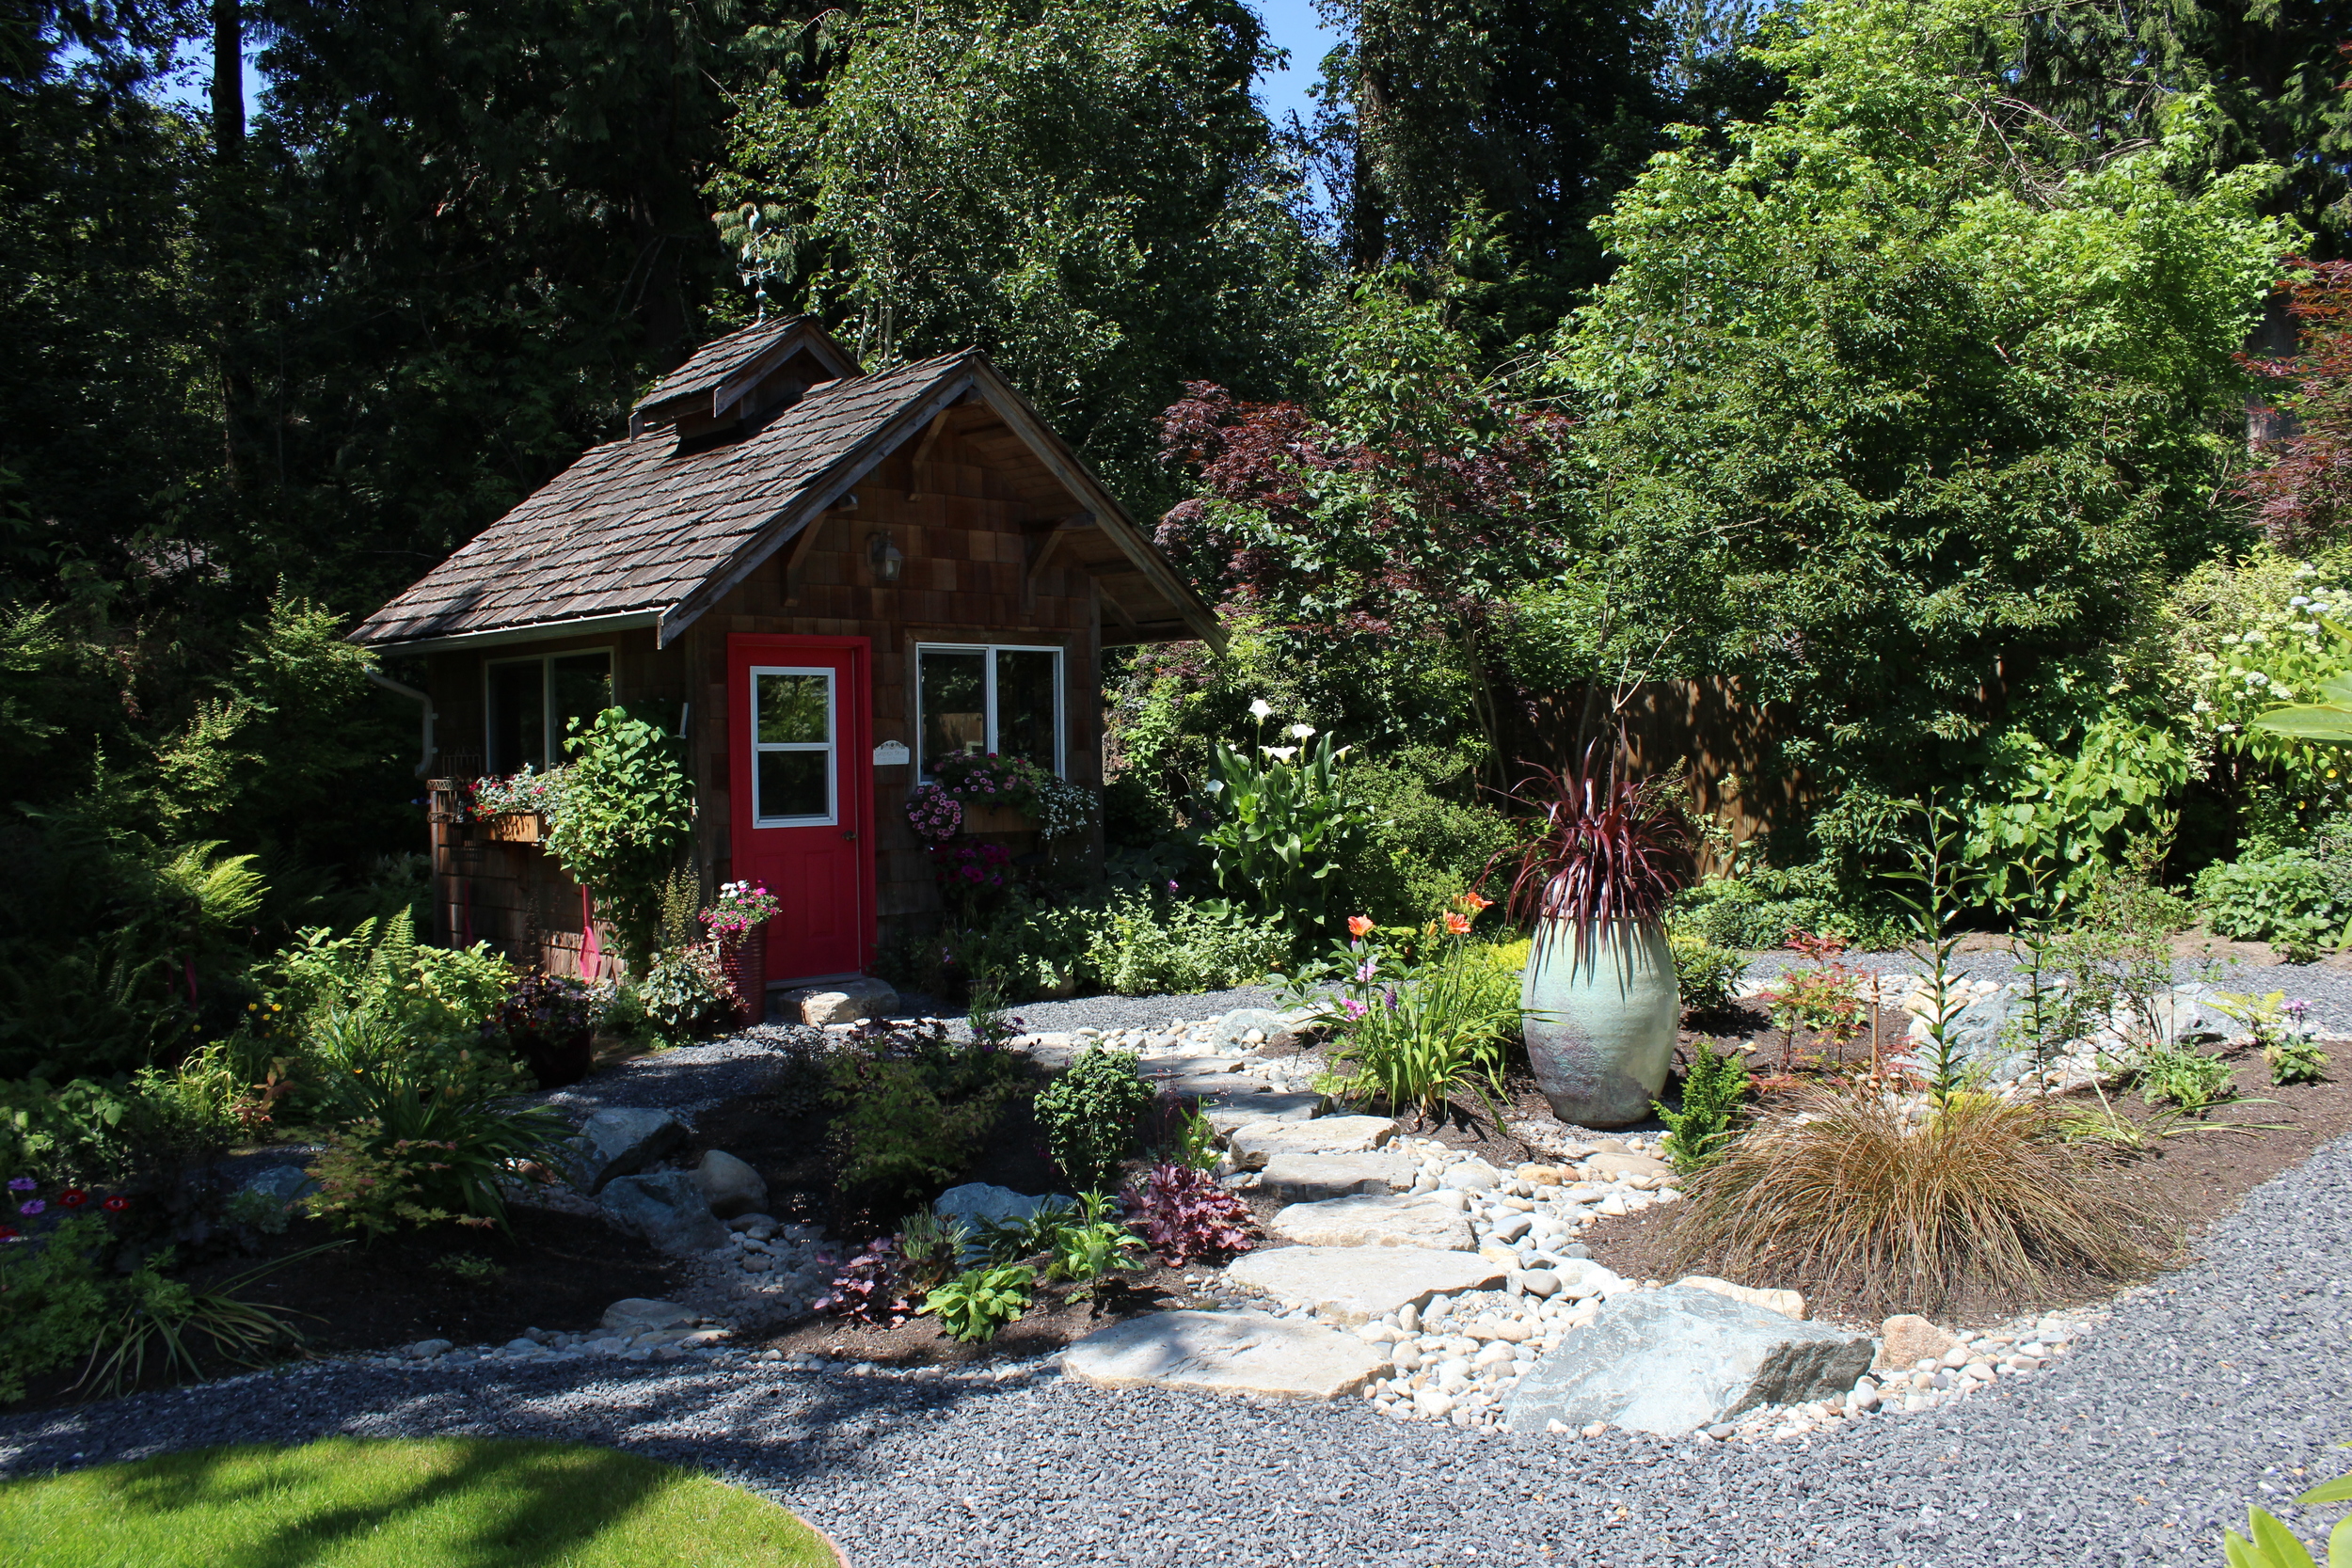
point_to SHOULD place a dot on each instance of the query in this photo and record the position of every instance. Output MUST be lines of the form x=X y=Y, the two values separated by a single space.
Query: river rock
x=1354 y=1285
x=1226 y=1353
x=1609 y=1166
x=730 y=1186
x=1253 y=1145
x=1375 y=1220
x=621 y=1142
x=1909 y=1339
x=1674 y=1360
x=284 y=1183
x=1309 y=1178
x=1472 y=1175
x=667 y=1209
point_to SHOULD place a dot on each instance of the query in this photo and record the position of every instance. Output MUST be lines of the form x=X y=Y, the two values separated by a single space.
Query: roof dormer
x=736 y=383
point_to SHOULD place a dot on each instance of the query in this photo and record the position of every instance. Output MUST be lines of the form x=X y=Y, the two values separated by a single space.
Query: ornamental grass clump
x=1910 y=1208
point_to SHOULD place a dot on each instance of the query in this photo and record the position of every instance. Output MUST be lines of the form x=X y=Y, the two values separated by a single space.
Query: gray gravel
x=2137 y=1448
x=1115 y=1012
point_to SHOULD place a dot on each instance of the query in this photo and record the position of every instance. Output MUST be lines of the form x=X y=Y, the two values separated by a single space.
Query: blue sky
x=1290 y=24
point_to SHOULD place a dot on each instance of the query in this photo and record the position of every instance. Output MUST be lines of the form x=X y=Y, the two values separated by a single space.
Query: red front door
x=798 y=716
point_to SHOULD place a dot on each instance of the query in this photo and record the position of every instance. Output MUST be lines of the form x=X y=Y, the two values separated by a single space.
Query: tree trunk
x=228 y=82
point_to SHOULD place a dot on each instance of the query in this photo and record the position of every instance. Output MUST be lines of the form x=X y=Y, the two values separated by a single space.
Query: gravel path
x=2137 y=1448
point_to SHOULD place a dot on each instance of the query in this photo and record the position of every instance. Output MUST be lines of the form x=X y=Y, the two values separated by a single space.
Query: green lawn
x=359 y=1503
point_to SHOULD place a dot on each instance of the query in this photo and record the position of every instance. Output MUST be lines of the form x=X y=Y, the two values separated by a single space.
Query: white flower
x=2201 y=705
x=1281 y=753
x=2283 y=693
x=2256 y=677
x=2300 y=599
x=2227 y=729
x=1302 y=732
x=1261 y=708
x=2253 y=636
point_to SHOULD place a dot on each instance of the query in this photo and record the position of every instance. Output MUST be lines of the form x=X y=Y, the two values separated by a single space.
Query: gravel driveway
x=2139 y=1448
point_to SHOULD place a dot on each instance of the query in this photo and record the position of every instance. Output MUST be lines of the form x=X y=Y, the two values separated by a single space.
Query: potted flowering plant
x=517 y=807
x=550 y=1022
x=738 y=919
x=1006 y=795
x=1599 y=996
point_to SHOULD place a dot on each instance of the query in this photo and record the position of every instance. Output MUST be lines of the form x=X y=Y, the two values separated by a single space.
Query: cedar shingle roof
x=717 y=359
x=633 y=526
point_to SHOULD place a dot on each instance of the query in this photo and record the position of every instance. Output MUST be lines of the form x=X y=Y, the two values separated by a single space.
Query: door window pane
x=1027 y=703
x=952 y=691
x=793 y=784
x=792 y=709
x=517 y=730
x=792 y=750
x=581 y=686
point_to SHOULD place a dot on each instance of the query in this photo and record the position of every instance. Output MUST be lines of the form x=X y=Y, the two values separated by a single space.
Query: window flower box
x=998 y=819
x=515 y=827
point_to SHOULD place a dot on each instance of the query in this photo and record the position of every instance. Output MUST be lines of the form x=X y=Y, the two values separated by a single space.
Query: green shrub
x=2296 y=899
x=684 y=994
x=1090 y=1114
x=2189 y=1078
x=424 y=995
x=1759 y=910
x=976 y=1306
x=628 y=812
x=915 y=1107
x=1707 y=975
x=53 y=1292
x=421 y=1151
x=1427 y=838
x=1174 y=946
x=1714 y=1094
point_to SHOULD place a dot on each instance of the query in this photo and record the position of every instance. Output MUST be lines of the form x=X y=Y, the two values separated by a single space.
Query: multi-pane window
x=1004 y=700
x=794 y=723
x=530 y=704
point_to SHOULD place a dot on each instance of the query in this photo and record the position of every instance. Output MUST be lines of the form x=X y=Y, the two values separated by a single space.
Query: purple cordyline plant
x=1609 y=848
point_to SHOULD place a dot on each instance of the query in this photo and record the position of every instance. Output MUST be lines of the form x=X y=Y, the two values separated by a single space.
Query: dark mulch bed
x=556 y=1270
x=2201 y=1175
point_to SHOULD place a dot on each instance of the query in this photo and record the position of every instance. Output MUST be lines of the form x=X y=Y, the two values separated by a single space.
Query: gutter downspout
x=424 y=764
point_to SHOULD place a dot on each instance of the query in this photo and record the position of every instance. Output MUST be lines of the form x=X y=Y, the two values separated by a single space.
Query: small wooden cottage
x=833 y=579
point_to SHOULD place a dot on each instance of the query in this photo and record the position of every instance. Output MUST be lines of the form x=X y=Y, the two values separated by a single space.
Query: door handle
x=849 y=833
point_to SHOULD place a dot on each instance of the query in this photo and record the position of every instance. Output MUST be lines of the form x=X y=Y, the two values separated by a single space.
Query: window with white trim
x=794 y=725
x=529 y=704
x=993 y=698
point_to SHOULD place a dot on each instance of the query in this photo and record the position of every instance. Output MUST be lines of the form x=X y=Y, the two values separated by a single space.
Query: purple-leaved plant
x=1185 y=1214
x=867 y=1289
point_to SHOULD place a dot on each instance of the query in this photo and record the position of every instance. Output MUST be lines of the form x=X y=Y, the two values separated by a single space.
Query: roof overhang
x=538 y=631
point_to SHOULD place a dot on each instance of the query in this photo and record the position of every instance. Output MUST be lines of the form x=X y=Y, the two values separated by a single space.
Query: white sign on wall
x=892 y=753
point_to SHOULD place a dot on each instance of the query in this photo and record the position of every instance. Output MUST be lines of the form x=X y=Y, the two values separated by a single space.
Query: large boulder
x=667 y=1209
x=1385 y=1221
x=1271 y=1028
x=621 y=1142
x=730 y=1186
x=1309 y=1178
x=1356 y=1284
x=842 y=1001
x=1674 y=1360
x=1254 y=1145
x=1789 y=1302
x=977 y=1203
x=1226 y=1353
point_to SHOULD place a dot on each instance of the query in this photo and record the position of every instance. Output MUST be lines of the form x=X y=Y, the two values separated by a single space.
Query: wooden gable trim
x=1109 y=516
x=823 y=349
x=847 y=470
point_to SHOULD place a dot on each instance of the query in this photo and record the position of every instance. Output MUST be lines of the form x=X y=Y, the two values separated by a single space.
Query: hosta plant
x=1186 y=1216
x=976 y=1306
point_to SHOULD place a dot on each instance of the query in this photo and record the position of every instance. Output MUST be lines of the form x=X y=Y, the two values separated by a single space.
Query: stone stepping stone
x=1230 y=1113
x=1195 y=1068
x=1308 y=1178
x=1674 y=1360
x=1226 y=1353
x=1206 y=1084
x=1253 y=1145
x=1367 y=1221
x=1354 y=1285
